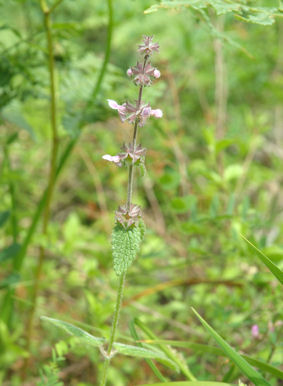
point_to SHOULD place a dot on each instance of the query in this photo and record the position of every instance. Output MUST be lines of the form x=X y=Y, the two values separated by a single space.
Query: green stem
x=14 y=220
x=51 y=177
x=109 y=353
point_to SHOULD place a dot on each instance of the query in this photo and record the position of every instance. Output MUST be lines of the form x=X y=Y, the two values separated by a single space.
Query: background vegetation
x=214 y=171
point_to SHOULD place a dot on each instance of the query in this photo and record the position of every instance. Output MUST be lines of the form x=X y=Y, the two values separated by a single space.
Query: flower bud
x=129 y=72
x=156 y=73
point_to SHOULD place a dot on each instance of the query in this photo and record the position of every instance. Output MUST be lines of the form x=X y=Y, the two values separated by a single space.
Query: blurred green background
x=214 y=170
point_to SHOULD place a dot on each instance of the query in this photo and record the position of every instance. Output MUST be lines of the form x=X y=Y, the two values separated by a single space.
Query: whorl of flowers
x=128 y=217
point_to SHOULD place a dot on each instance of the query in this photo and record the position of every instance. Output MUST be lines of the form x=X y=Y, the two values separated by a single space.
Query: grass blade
x=217 y=351
x=239 y=361
x=268 y=263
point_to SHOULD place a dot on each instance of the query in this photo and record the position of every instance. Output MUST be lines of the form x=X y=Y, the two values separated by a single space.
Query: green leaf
x=126 y=243
x=77 y=332
x=153 y=367
x=10 y=280
x=168 y=351
x=239 y=361
x=141 y=352
x=10 y=252
x=193 y=383
x=4 y=217
x=272 y=267
x=13 y=114
x=183 y=204
x=257 y=15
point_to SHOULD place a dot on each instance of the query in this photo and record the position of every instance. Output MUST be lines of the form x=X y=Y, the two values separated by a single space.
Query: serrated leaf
x=239 y=361
x=75 y=331
x=125 y=246
x=268 y=263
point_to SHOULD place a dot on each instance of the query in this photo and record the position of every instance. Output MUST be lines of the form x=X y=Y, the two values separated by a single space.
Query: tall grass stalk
x=51 y=177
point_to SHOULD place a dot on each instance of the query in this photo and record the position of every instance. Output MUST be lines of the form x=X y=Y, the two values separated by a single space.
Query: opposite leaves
x=126 y=243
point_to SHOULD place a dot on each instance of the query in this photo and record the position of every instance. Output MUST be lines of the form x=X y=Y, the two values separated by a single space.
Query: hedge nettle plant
x=129 y=228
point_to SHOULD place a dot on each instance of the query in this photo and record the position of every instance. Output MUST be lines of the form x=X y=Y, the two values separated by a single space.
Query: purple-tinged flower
x=120 y=108
x=156 y=73
x=255 y=331
x=128 y=217
x=129 y=72
x=143 y=73
x=113 y=158
x=130 y=112
x=128 y=152
x=133 y=153
x=156 y=113
x=147 y=47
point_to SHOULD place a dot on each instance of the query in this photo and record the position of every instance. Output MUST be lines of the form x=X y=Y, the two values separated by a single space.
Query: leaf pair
x=121 y=348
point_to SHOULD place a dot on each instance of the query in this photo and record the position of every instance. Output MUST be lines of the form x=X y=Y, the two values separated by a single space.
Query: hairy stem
x=51 y=176
x=113 y=329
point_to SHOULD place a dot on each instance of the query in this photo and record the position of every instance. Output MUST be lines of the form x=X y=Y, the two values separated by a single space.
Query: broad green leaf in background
x=10 y=252
x=251 y=14
x=4 y=217
x=10 y=280
x=268 y=263
x=239 y=361
x=13 y=114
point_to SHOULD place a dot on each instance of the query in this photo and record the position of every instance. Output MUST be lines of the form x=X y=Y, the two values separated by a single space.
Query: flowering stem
x=123 y=276
x=114 y=328
x=131 y=167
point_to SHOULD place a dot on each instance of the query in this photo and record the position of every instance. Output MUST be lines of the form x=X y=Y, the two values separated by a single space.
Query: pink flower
x=148 y=46
x=128 y=111
x=121 y=108
x=156 y=113
x=129 y=72
x=142 y=74
x=255 y=331
x=156 y=73
x=113 y=158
